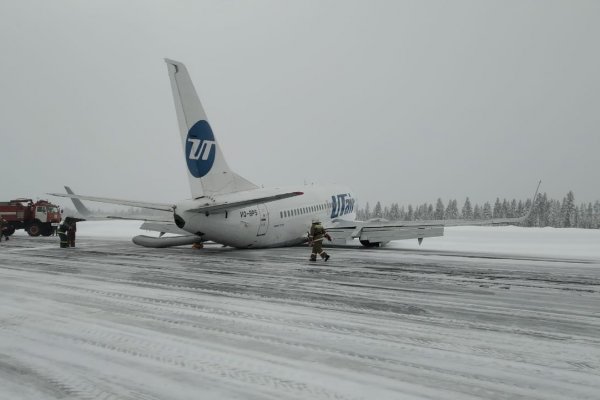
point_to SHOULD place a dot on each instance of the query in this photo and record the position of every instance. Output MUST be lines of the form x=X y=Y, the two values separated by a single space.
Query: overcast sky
x=404 y=101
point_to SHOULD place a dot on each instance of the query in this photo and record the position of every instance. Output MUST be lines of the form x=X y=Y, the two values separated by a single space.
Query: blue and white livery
x=228 y=209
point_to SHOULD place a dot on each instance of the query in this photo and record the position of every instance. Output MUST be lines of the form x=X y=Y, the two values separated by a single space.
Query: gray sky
x=403 y=101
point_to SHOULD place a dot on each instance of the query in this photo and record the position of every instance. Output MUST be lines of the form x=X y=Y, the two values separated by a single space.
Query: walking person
x=316 y=235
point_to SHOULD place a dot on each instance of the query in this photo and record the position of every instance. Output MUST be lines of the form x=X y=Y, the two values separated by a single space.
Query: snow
x=466 y=316
x=513 y=240
x=508 y=240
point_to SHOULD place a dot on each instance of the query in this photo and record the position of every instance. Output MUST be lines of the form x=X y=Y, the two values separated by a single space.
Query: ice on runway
x=109 y=319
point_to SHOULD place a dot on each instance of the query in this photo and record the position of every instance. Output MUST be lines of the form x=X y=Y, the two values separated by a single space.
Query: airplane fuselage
x=282 y=222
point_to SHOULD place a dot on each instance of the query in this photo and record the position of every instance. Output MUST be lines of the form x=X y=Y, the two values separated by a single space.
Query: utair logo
x=200 y=149
x=342 y=204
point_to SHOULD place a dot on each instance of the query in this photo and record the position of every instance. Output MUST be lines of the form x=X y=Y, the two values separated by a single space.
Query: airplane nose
x=180 y=222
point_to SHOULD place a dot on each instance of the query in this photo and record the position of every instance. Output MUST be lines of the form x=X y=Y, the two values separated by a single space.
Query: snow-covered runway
x=110 y=320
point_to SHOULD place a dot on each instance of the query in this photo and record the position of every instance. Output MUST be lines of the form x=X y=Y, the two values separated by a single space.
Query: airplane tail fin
x=208 y=171
x=81 y=208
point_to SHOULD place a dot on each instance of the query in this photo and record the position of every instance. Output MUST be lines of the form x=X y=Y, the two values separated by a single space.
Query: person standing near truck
x=62 y=234
x=3 y=228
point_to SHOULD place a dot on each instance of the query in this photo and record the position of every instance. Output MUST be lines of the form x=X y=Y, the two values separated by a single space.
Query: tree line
x=546 y=212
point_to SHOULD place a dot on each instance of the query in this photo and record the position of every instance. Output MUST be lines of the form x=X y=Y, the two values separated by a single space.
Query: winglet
x=526 y=216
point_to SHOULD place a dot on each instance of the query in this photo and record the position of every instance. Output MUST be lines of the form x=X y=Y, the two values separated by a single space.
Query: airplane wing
x=377 y=231
x=225 y=206
x=141 y=204
x=90 y=216
x=157 y=224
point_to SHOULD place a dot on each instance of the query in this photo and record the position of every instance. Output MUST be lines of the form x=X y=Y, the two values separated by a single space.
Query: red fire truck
x=37 y=218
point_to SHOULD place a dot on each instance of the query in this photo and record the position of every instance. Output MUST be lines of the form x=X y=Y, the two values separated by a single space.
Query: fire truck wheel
x=34 y=229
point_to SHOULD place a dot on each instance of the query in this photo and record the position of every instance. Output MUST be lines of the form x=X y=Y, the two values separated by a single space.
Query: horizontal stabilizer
x=141 y=204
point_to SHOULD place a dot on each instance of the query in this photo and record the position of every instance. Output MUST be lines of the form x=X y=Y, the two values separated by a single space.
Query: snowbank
x=545 y=242
x=513 y=240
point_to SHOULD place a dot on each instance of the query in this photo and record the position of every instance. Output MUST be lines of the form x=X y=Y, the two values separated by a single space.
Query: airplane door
x=263 y=216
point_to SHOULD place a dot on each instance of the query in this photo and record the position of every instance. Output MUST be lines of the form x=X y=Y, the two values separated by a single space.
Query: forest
x=565 y=213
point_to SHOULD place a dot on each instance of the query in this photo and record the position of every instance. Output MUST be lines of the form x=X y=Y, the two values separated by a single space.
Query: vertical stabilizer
x=208 y=171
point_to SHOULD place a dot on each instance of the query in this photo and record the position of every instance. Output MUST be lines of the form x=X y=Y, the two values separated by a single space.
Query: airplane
x=228 y=209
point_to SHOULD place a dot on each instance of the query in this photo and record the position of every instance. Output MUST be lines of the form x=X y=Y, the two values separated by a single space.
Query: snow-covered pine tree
x=497 y=208
x=487 y=211
x=467 y=210
x=452 y=210
x=377 y=211
x=394 y=212
x=554 y=214
x=439 y=209
x=529 y=221
x=505 y=207
x=520 y=209
x=477 y=212
x=430 y=211
x=367 y=212
x=512 y=210
x=568 y=210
